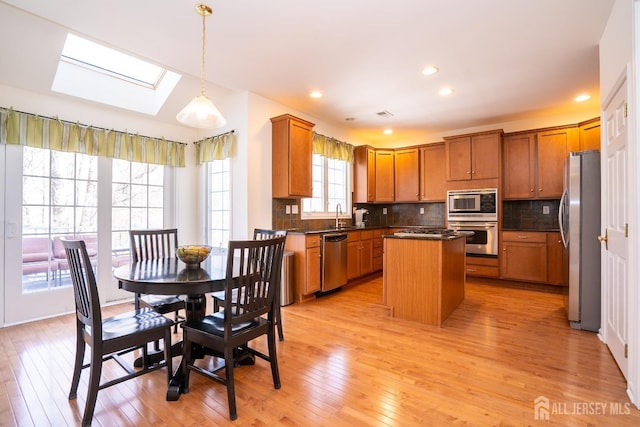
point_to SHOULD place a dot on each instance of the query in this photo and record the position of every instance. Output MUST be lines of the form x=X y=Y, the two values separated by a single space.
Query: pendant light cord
x=204 y=16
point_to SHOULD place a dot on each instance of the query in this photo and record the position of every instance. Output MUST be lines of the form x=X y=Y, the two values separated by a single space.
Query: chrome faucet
x=338 y=209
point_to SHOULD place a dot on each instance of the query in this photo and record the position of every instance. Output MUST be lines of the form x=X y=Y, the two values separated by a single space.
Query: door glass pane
x=59 y=199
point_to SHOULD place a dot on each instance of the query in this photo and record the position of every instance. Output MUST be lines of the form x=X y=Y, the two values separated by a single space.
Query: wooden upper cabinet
x=364 y=174
x=553 y=147
x=407 y=175
x=590 y=135
x=384 y=176
x=534 y=163
x=433 y=181
x=291 y=170
x=519 y=156
x=473 y=157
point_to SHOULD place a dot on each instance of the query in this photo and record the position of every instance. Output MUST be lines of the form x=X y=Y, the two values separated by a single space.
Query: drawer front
x=313 y=241
x=377 y=251
x=377 y=242
x=377 y=232
x=377 y=263
x=482 y=270
x=366 y=235
x=524 y=236
x=353 y=236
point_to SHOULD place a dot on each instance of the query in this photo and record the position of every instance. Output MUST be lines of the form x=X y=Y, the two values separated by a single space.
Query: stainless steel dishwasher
x=334 y=261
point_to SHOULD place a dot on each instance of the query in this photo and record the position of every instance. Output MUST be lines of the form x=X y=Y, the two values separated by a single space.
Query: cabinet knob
x=531 y=190
x=504 y=249
x=540 y=190
x=468 y=172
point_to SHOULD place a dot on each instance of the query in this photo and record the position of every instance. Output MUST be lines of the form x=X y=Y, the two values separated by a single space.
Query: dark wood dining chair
x=157 y=244
x=108 y=338
x=251 y=272
x=261 y=234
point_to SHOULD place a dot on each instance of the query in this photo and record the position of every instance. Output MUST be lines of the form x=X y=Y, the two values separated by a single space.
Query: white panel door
x=614 y=221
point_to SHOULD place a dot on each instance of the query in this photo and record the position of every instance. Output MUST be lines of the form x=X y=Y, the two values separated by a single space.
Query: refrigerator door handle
x=561 y=213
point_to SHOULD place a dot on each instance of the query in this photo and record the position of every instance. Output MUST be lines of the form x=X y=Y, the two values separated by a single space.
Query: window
x=59 y=198
x=137 y=199
x=331 y=186
x=218 y=198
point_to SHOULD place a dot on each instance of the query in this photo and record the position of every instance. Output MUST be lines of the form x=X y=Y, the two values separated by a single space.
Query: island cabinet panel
x=524 y=256
x=384 y=187
x=364 y=175
x=473 y=157
x=407 y=175
x=291 y=154
x=306 y=250
x=423 y=278
x=433 y=180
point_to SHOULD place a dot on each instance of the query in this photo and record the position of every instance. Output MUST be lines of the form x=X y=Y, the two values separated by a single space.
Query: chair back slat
x=251 y=269
x=85 y=288
x=153 y=244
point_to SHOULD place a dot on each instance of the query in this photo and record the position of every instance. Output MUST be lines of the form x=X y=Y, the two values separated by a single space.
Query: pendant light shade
x=200 y=112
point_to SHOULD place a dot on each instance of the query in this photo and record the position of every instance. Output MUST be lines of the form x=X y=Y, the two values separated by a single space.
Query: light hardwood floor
x=345 y=362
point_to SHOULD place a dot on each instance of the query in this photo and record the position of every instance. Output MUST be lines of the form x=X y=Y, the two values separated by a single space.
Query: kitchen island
x=424 y=276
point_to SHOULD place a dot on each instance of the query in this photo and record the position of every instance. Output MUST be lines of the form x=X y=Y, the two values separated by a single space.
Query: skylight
x=95 y=72
x=102 y=58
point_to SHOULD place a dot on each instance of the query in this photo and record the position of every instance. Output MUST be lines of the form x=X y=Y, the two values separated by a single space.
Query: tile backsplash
x=530 y=215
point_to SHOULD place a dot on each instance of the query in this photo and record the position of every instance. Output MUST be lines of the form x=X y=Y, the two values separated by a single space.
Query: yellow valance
x=332 y=148
x=17 y=128
x=217 y=147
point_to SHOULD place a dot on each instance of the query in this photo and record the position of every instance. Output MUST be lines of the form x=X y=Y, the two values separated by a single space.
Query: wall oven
x=472 y=205
x=484 y=241
x=476 y=211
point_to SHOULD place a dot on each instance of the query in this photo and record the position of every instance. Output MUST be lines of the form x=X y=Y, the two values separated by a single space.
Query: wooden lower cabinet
x=533 y=257
x=557 y=261
x=359 y=253
x=306 y=249
x=378 y=244
x=482 y=267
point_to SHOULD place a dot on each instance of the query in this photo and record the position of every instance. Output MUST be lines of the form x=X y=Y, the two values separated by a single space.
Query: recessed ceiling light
x=388 y=131
x=429 y=70
x=582 y=97
x=446 y=91
x=316 y=94
x=349 y=119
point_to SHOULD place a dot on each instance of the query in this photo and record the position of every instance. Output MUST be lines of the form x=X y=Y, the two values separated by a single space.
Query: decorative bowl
x=193 y=255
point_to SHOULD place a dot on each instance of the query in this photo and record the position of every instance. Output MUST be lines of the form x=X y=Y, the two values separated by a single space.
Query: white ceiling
x=508 y=60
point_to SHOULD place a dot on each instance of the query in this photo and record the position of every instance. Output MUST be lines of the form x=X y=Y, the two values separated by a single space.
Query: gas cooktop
x=425 y=232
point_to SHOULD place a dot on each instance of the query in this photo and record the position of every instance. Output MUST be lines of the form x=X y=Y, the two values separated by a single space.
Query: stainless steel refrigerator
x=579 y=220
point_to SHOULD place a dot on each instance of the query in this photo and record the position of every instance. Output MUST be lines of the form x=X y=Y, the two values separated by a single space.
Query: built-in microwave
x=472 y=205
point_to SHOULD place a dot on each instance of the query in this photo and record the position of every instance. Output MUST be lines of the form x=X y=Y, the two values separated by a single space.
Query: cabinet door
x=364 y=178
x=353 y=260
x=384 y=176
x=366 y=256
x=300 y=150
x=313 y=270
x=524 y=261
x=458 y=159
x=590 y=136
x=485 y=156
x=558 y=267
x=406 y=173
x=552 y=151
x=519 y=166
x=433 y=181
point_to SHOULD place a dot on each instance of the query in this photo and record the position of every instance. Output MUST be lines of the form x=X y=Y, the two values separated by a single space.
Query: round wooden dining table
x=170 y=276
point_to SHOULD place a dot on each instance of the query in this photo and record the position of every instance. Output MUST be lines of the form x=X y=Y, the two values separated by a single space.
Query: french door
x=50 y=195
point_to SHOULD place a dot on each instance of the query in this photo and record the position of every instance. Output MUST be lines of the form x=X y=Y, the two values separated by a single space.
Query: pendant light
x=200 y=112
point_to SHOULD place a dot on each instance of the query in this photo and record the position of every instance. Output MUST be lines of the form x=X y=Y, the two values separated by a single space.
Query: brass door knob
x=605 y=239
